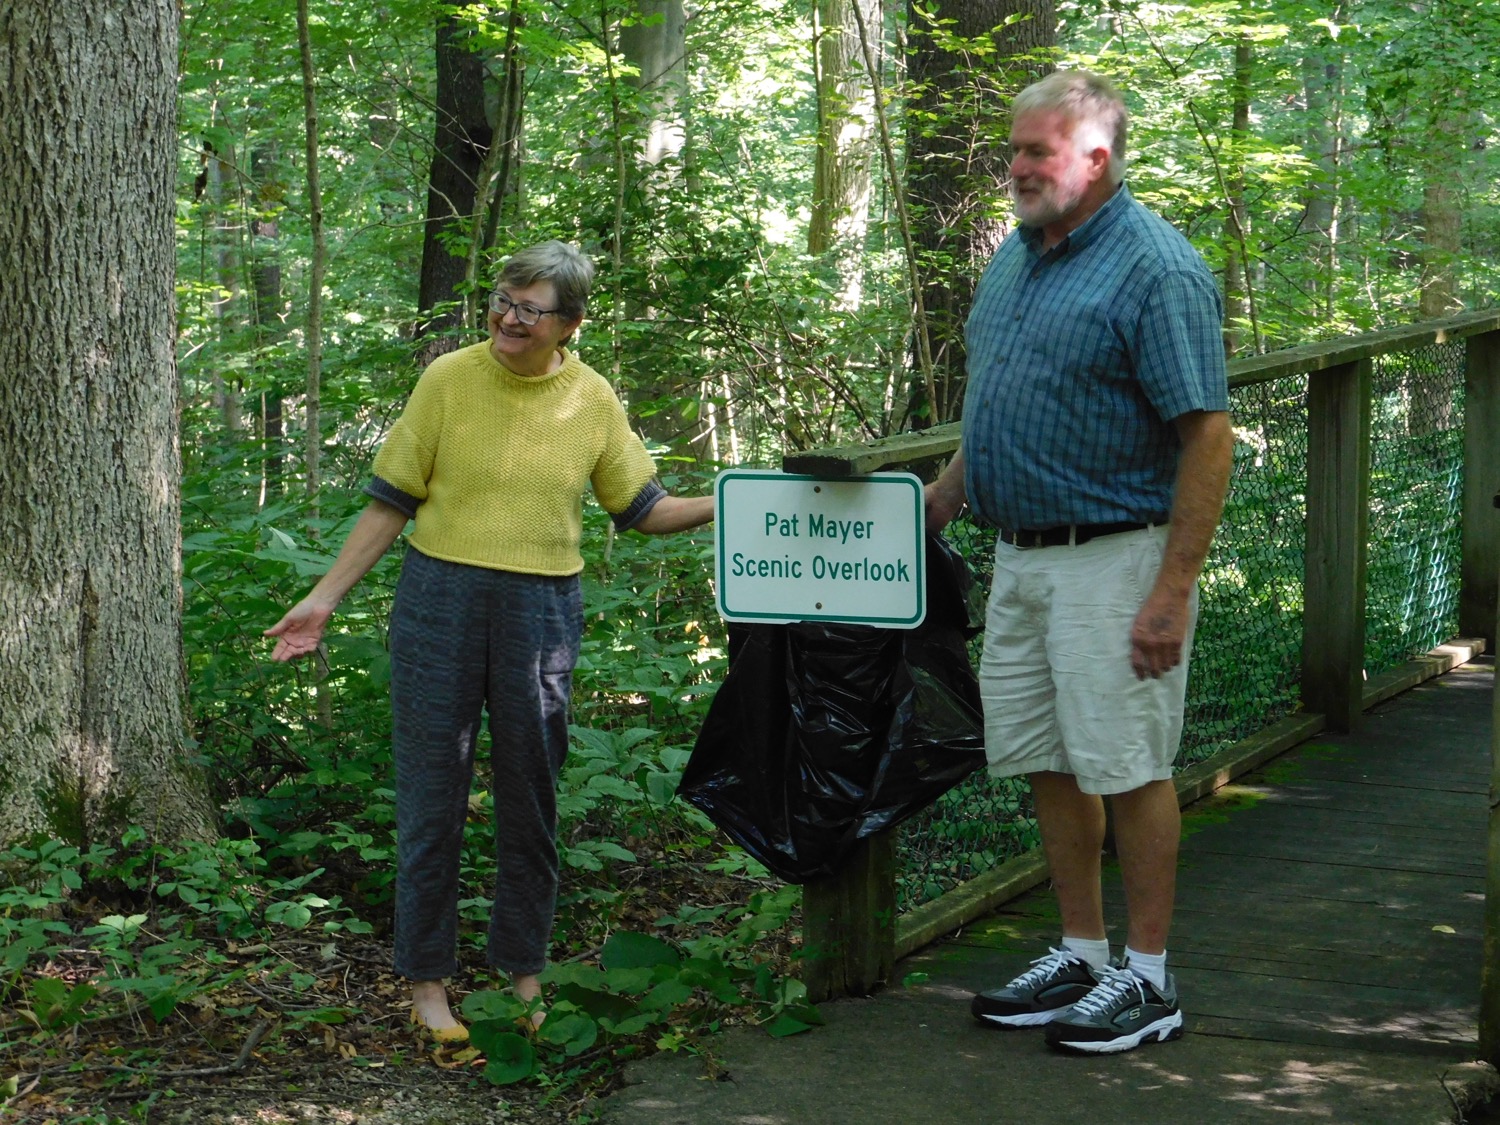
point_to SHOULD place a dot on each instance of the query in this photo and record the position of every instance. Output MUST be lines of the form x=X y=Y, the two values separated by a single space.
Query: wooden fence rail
x=850 y=932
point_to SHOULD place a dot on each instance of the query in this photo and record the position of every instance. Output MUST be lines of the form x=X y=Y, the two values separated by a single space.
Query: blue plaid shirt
x=1079 y=359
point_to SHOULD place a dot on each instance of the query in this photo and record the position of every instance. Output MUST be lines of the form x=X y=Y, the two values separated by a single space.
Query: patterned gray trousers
x=465 y=639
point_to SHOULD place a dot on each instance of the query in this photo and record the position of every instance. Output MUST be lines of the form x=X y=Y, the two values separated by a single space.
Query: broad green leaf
x=625 y=950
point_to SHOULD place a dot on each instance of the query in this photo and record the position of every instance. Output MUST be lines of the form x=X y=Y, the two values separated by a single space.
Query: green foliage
x=643 y=990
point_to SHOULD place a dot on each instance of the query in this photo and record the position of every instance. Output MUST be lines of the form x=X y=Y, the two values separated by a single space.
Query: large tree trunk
x=955 y=164
x=846 y=142
x=463 y=138
x=91 y=721
x=655 y=44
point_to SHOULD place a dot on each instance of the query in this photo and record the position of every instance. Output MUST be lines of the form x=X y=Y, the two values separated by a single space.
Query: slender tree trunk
x=228 y=214
x=265 y=273
x=1444 y=159
x=846 y=142
x=510 y=118
x=1322 y=83
x=1444 y=162
x=1237 y=218
x=91 y=680
x=314 y=446
x=495 y=189
x=955 y=164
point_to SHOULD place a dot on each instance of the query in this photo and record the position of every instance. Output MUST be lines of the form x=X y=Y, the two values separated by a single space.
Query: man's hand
x=301 y=630
x=941 y=507
x=1157 y=637
x=944 y=498
x=1160 y=629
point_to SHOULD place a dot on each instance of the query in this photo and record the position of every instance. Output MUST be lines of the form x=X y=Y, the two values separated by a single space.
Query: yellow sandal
x=442 y=1036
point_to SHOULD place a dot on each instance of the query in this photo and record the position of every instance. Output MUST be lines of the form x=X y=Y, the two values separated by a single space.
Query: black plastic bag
x=823 y=734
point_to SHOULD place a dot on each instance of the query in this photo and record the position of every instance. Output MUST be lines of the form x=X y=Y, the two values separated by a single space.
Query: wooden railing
x=850 y=929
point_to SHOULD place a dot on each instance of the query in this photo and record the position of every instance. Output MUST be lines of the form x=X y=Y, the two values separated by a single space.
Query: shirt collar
x=1091 y=228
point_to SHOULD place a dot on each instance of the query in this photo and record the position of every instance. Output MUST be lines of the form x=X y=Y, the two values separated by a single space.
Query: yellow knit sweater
x=493 y=465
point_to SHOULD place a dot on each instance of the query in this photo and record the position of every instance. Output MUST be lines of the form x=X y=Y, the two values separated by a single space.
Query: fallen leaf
x=1444 y=930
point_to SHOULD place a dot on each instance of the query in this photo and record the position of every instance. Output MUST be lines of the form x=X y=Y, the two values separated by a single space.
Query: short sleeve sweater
x=493 y=465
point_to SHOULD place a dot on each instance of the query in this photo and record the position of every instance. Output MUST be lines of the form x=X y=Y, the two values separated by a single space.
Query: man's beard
x=1052 y=202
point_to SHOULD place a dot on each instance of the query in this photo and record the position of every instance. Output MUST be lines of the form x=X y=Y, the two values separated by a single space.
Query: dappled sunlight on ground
x=1298 y=1086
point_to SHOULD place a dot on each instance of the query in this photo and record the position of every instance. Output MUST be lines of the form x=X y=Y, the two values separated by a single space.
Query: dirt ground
x=307 y=1031
x=416 y=1094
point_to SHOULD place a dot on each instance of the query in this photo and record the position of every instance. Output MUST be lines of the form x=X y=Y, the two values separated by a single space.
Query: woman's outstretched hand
x=301 y=630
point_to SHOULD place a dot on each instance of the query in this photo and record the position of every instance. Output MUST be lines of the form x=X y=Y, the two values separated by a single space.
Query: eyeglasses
x=527 y=314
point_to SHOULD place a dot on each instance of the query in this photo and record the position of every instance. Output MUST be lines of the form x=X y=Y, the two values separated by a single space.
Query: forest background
x=789 y=205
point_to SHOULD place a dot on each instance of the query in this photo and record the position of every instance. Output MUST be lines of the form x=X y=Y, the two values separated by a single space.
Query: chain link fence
x=1416 y=503
x=1246 y=661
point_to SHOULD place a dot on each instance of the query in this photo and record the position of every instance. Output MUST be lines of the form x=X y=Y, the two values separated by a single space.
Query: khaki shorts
x=1059 y=692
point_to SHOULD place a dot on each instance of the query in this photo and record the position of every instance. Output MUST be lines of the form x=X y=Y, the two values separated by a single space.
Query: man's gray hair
x=1090 y=102
x=565 y=266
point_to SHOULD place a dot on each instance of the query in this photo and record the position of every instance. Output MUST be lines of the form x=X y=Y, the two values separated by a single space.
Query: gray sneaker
x=1039 y=994
x=1120 y=1014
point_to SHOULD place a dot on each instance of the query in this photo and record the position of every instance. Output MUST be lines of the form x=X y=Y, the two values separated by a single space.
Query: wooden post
x=849 y=918
x=1338 y=486
x=1477 y=608
x=1489 y=976
x=849 y=923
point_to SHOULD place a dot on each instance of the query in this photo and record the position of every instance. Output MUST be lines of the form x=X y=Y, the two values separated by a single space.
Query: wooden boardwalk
x=1327 y=947
x=1336 y=896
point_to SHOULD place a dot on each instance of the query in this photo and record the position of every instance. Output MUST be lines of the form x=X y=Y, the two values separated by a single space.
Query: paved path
x=1327 y=947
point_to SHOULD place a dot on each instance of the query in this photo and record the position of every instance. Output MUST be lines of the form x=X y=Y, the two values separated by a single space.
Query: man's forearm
x=1198 y=500
x=946 y=496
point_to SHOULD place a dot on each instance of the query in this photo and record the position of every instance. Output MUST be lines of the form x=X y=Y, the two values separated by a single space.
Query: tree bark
x=91 y=678
x=956 y=168
x=313 y=447
x=463 y=137
x=1322 y=83
x=655 y=44
x=846 y=128
x=224 y=206
x=1444 y=164
x=265 y=271
x=1237 y=217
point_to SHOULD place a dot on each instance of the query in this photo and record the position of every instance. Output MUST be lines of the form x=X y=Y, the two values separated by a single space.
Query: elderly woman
x=490 y=459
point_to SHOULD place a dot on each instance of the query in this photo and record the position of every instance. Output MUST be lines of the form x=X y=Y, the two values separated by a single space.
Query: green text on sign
x=803 y=548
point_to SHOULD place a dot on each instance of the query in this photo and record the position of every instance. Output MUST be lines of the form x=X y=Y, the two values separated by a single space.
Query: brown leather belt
x=1073 y=534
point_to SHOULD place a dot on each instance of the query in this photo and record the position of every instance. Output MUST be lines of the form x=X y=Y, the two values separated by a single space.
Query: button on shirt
x=1079 y=359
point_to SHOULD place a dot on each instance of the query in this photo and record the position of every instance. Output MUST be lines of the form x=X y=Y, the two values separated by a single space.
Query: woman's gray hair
x=1090 y=102
x=565 y=266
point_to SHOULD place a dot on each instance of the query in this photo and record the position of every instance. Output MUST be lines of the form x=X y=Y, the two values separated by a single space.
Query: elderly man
x=1096 y=436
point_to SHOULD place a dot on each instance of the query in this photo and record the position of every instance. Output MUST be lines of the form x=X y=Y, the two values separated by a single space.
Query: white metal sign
x=804 y=548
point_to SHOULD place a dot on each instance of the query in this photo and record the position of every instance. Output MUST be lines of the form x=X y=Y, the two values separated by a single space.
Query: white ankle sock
x=1096 y=953
x=1151 y=966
